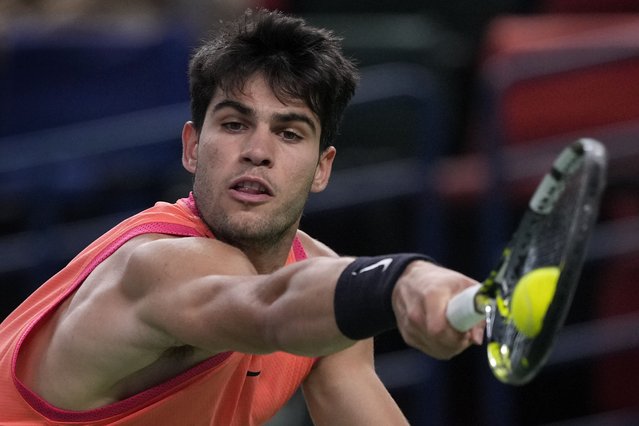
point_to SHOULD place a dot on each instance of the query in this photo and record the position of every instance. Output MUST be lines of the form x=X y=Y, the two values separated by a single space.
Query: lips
x=251 y=187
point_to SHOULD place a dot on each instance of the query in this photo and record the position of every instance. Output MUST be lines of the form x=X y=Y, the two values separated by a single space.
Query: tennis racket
x=544 y=259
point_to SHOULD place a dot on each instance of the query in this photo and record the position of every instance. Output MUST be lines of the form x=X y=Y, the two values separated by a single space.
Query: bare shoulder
x=314 y=247
x=189 y=256
x=143 y=260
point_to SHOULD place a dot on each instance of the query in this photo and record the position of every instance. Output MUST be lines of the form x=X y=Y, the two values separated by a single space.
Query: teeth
x=251 y=187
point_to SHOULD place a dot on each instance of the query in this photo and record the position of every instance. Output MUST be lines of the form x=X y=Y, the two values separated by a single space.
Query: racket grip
x=461 y=311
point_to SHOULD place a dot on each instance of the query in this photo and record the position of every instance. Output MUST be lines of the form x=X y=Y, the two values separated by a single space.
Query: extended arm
x=224 y=305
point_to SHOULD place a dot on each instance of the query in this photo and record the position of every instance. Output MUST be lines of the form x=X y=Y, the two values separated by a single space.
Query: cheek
x=212 y=157
x=209 y=167
x=302 y=170
x=299 y=163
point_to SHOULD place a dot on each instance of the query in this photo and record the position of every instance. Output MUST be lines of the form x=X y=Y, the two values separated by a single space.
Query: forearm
x=299 y=312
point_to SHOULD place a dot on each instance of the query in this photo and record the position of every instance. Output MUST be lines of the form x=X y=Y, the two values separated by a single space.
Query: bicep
x=194 y=291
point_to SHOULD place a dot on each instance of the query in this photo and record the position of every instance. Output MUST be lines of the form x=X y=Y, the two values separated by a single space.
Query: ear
x=190 y=139
x=323 y=169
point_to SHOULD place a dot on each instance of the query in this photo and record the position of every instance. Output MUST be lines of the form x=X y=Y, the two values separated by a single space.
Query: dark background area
x=462 y=105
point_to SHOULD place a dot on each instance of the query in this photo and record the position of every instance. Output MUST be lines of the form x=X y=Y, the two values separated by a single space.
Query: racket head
x=553 y=232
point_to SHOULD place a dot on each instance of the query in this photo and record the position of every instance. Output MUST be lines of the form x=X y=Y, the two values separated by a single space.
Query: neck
x=267 y=259
x=266 y=256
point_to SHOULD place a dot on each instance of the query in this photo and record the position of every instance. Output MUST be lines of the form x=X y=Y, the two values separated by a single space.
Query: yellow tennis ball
x=531 y=298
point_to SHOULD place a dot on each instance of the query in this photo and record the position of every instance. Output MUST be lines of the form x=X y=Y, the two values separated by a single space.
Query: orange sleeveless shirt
x=228 y=389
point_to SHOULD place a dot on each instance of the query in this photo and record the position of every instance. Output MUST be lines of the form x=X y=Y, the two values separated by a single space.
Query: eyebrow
x=238 y=106
x=280 y=118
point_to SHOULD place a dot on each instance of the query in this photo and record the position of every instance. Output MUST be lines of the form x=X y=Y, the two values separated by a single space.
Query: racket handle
x=462 y=312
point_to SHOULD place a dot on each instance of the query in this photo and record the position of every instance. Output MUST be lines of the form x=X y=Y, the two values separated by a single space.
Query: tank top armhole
x=56 y=414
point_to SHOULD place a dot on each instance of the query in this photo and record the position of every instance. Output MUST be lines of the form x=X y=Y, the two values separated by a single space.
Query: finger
x=477 y=335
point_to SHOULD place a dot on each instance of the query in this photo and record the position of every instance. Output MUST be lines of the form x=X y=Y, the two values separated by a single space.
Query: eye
x=290 y=136
x=233 y=126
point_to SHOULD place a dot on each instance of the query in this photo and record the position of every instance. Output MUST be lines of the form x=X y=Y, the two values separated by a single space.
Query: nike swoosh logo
x=253 y=373
x=384 y=264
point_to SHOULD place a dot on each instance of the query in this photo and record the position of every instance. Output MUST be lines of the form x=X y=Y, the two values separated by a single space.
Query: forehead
x=256 y=91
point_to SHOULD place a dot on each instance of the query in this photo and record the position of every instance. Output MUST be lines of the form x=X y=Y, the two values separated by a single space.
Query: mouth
x=251 y=189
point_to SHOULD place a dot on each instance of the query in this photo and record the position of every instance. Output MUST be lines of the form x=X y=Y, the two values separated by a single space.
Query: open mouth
x=251 y=188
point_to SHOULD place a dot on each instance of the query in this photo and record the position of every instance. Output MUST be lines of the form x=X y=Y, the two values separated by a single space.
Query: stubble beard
x=247 y=231
x=253 y=234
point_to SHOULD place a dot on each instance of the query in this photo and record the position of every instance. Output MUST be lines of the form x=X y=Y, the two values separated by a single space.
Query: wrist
x=363 y=302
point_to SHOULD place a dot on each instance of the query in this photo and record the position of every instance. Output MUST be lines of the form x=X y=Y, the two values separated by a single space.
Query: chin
x=243 y=233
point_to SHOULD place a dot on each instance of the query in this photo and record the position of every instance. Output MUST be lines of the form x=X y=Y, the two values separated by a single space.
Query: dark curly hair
x=297 y=60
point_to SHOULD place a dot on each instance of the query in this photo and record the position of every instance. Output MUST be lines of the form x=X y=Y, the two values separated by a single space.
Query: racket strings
x=554 y=232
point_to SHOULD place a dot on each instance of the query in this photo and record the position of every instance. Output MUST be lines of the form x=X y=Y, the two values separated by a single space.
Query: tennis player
x=217 y=308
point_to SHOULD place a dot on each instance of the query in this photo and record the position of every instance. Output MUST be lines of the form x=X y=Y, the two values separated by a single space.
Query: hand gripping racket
x=525 y=299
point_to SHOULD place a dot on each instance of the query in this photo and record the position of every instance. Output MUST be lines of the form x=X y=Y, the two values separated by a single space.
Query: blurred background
x=461 y=108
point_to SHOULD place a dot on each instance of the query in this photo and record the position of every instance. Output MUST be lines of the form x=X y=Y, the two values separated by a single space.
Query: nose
x=257 y=148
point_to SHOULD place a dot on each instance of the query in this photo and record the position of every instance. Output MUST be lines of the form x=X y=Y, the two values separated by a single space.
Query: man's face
x=255 y=161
